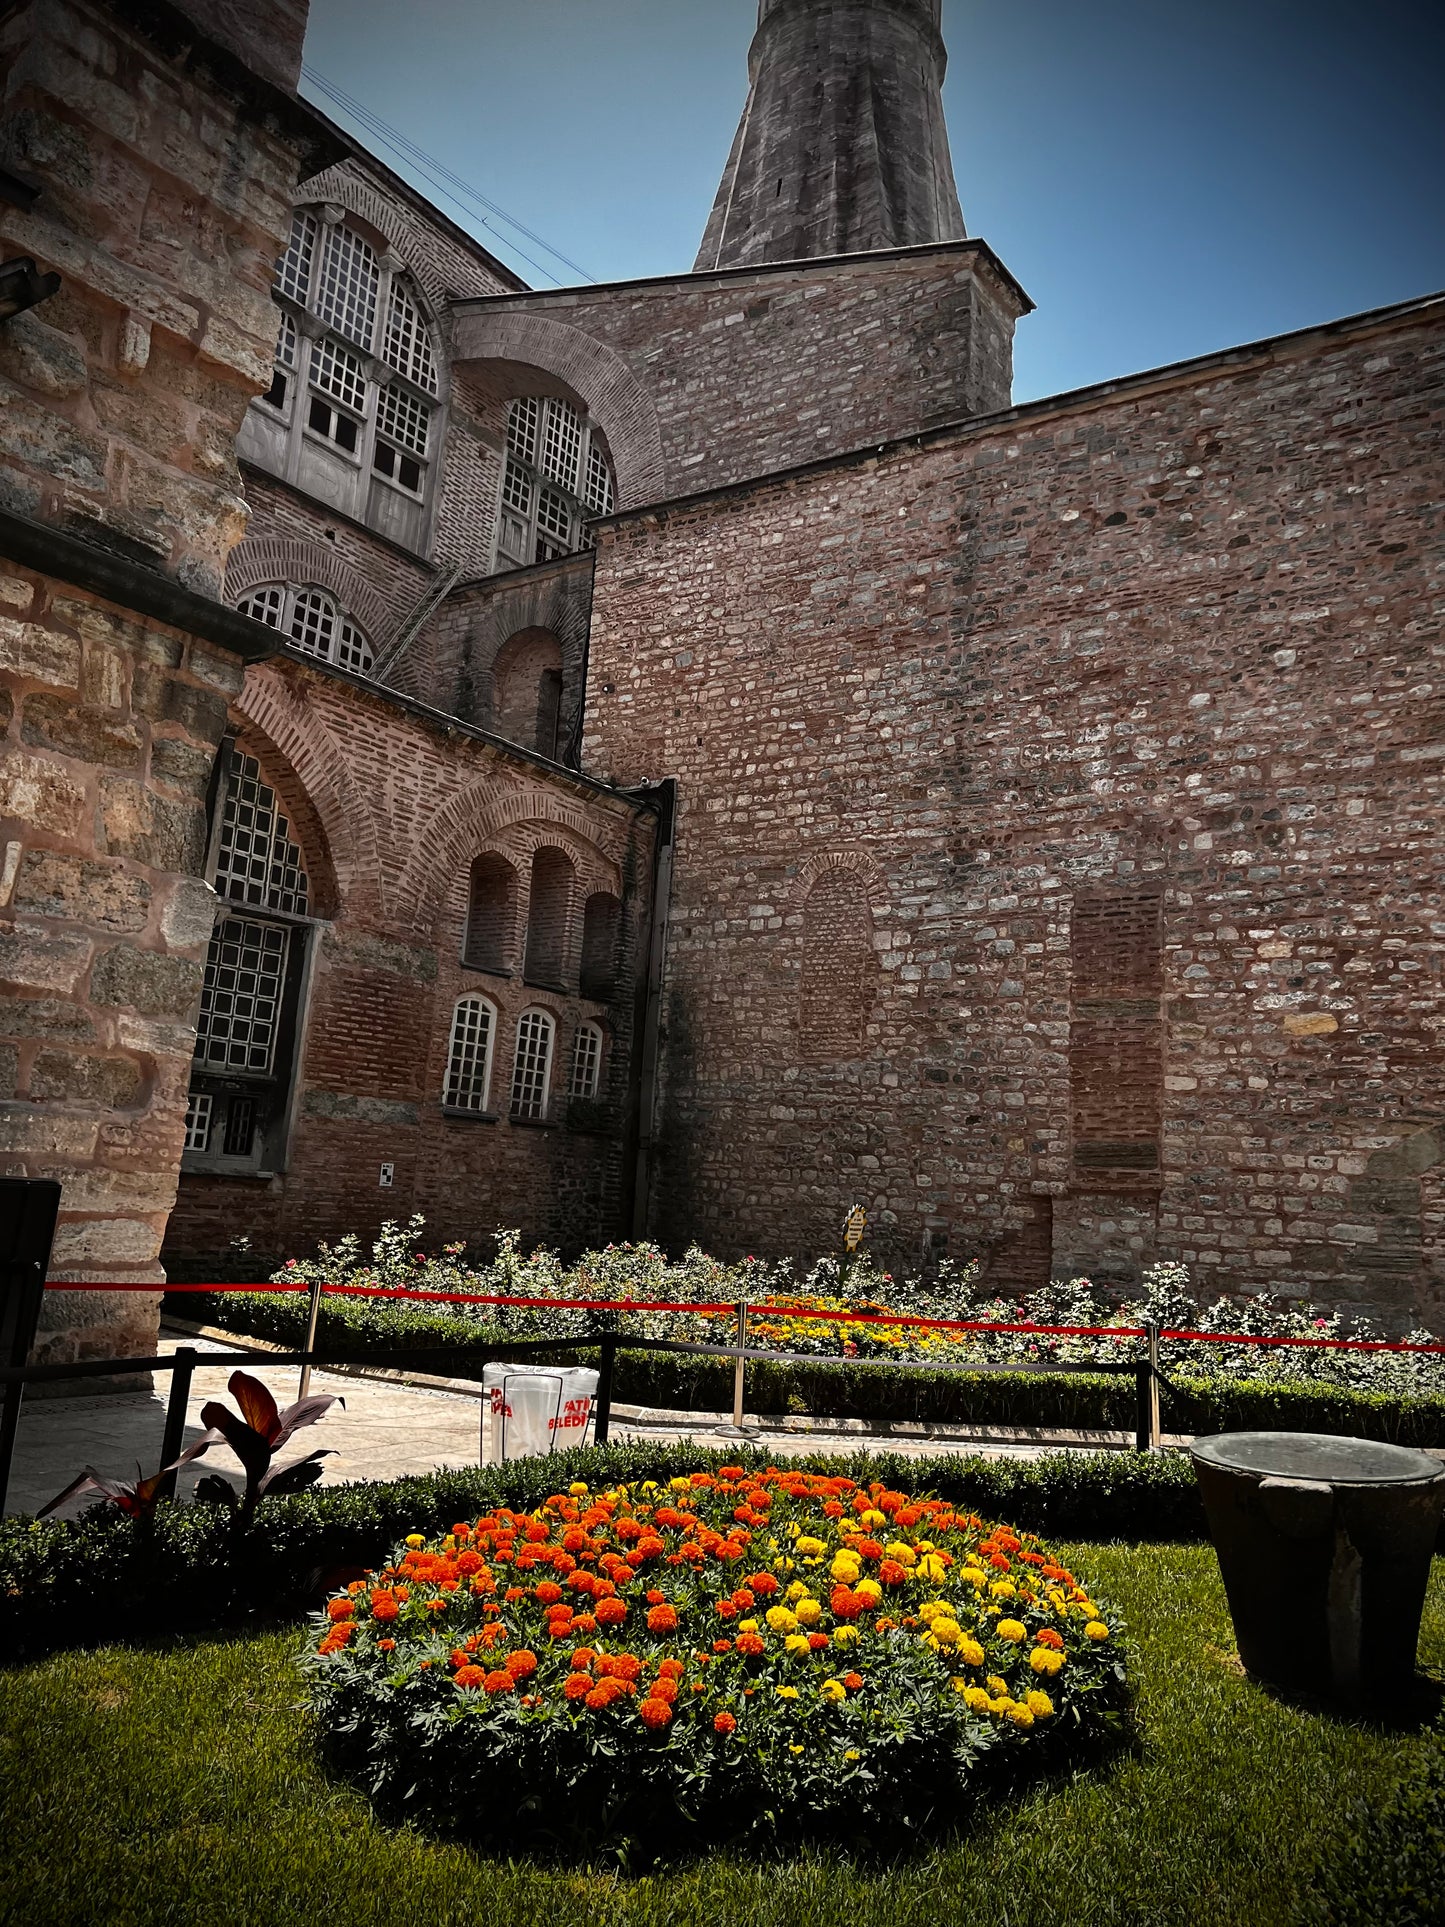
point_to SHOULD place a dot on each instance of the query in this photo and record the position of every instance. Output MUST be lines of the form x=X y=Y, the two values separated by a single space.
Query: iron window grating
x=469 y=1056
x=241 y=995
x=347 y=285
x=258 y=864
x=586 y=1061
x=532 y=1064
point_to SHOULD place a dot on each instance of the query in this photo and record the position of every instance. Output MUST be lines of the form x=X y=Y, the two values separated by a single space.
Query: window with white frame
x=532 y=1065
x=313 y=620
x=250 y=988
x=555 y=475
x=586 y=1061
x=356 y=373
x=469 y=1056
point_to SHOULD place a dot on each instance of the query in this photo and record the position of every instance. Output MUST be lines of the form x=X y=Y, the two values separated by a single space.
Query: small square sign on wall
x=388 y=1174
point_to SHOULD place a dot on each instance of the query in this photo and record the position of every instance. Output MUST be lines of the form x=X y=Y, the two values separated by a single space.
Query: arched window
x=601 y=925
x=586 y=1061
x=313 y=621
x=350 y=415
x=491 y=915
x=839 y=969
x=527 y=690
x=250 y=988
x=469 y=1055
x=557 y=473
x=532 y=1065
x=549 y=916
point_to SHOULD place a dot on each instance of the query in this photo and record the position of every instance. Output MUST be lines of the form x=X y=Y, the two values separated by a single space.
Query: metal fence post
x=1155 y=1434
x=603 y=1424
x=304 y=1385
x=739 y=1366
x=1141 y=1408
x=174 y=1438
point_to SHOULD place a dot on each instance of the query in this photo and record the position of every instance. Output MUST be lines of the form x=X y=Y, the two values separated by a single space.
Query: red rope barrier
x=765 y=1312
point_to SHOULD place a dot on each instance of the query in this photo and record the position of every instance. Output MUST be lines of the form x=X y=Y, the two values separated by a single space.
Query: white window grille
x=198 y=1121
x=286 y=342
x=266 y=605
x=293 y=270
x=523 y=418
x=517 y=488
x=313 y=620
x=241 y=995
x=469 y=1055
x=403 y=418
x=408 y=345
x=258 y=863
x=586 y=1061
x=336 y=371
x=347 y=284
x=554 y=520
x=599 y=480
x=556 y=474
x=563 y=444
x=532 y=1066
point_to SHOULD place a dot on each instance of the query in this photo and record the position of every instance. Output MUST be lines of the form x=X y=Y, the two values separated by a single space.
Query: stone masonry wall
x=1127 y=714
x=165 y=175
x=391 y=811
x=711 y=378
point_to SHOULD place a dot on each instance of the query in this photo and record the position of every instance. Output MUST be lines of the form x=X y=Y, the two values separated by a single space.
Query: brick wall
x=712 y=377
x=165 y=173
x=392 y=812
x=1163 y=660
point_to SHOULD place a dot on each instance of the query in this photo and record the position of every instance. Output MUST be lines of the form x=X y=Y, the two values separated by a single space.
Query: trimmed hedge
x=98 y=1578
x=1061 y=1401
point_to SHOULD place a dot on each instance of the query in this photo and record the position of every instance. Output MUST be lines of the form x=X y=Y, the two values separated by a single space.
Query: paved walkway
x=386 y=1431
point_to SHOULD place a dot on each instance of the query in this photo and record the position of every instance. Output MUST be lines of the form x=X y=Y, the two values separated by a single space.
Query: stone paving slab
x=387 y=1430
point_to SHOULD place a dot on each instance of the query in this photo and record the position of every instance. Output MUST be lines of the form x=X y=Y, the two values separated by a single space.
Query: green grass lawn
x=179 y=1787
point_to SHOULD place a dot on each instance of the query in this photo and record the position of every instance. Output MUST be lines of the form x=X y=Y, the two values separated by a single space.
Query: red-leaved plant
x=255 y=1436
x=138 y=1501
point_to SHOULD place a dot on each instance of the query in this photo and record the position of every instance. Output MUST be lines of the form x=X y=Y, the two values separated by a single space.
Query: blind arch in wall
x=491 y=915
x=601 y=930
x=839 y=974
x=549 y=918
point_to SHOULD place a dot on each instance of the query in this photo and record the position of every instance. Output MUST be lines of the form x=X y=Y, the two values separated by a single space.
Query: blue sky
x=1164 y=179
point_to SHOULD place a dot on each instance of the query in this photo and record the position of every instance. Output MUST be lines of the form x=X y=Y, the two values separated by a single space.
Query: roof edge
x=1166 y=375
x=970 y=244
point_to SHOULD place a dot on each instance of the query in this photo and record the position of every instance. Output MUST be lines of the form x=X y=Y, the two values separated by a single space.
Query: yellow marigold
x=415 y=1539
x=900 y=1550
x=797 y=1643
x=970 y=1652
x=1046 y=1663
x=1003 y=1589
x=874 y=1518
x=852 y=1754
x=1020 y=1714
x=975 y=1698
x=809 y=1547
x=931 y=1608
x=747 y=1625
x=787 y=1692
x=809 y=1611
x=1039 y=1704
x=845 y=1567
x=579 y=1489
x=932 y=1566
x=795 y=1749
x=1096 y=1629
x=845 y=1635
x=870 y=1590
x=679 y=1485
x=997 y=1685
x=796 y=1591
x=781 y=1620
x=833 y=1689
x=1013 y=1629
x=1001 y=1704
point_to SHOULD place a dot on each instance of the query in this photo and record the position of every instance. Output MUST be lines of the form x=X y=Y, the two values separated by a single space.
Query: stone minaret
x=842 y=145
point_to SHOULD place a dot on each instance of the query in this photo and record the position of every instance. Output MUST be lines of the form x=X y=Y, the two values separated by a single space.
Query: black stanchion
x=174 y=1438
x=603 y=1424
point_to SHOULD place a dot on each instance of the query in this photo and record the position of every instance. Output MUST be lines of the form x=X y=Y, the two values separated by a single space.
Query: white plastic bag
x=528 y=1411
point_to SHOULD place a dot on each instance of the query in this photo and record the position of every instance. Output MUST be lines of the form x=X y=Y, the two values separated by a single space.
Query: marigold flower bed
x=732 y=1655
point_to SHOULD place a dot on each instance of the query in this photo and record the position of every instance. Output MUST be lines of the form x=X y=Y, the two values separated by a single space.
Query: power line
x=437 y=173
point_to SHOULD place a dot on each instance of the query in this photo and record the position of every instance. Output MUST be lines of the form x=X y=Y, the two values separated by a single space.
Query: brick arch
x=344 y=189
x=277 y=558
x=859 y=861
x=273 y=702
x=599 y=377
x=478 y=819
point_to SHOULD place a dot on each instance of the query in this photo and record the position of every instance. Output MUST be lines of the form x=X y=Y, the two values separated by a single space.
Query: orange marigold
x=853 y=1681
x=577 y=1686
x=763 y=1584
x=386 y=1645
x=817 y=1641
x=340 y=1608
x=671 y=1669
x=383 y=1606
x=656 y=1713
x=1048 y=1637
x=750 y=1643
x=498 y=1682
x=470 y=1676
x=662 y=1619
x=548 y=1593
x=582 y=1659
x=521 y=1665
x=724 y=1723
x=610 y=1612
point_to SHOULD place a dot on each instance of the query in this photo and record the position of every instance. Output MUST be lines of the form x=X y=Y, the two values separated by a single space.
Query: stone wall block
x=43 y=654
x=74 y=729
x=151 y=829
x=117 y=1083
x=155 y=986
x=189 y=915
x=82 y=890
x=41 y=794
